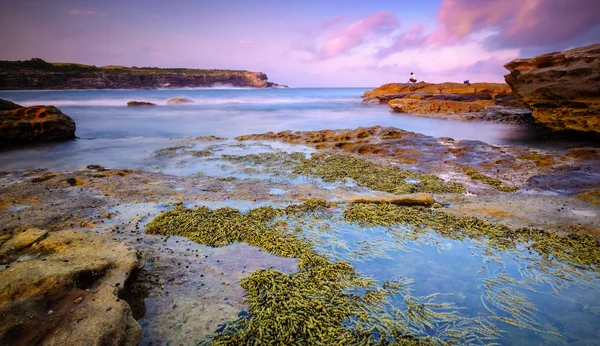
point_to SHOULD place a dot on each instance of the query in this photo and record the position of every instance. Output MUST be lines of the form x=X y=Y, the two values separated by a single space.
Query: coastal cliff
x=562 y=88
x=39 y=74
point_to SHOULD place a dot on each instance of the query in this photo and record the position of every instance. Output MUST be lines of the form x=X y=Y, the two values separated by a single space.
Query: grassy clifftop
x=37 y=64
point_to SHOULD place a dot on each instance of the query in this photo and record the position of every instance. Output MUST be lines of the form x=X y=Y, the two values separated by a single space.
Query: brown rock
x=38 y=123
x=442 y=91
x=37 y=295
x=434 y=106
x=139 y=104
x=562 y=88
x=7 y=105
x=179 y=100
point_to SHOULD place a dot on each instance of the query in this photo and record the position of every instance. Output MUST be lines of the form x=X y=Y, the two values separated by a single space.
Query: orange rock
x=38 y=123
x=560 y=88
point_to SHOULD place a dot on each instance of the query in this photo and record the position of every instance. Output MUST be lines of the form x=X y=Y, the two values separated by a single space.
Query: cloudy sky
x=301 y=43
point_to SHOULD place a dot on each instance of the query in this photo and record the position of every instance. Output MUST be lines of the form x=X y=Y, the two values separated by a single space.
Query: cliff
x=562 y=88
x=39 y=74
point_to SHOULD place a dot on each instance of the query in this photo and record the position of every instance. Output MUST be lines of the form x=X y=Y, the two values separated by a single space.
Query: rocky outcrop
x=139 y=104
x=38 y=123
x=63 y=288
x=495 y=93
x=8 y=106
x=179 y=100
x=562 y=89
x=38 y=74
x=425 y=106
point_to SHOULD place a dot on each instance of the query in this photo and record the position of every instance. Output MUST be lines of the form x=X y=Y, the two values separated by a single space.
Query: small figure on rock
x=412 y=78
x=467 y=82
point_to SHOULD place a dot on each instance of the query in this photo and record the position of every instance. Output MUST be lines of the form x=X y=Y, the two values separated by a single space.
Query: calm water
x=114 y=135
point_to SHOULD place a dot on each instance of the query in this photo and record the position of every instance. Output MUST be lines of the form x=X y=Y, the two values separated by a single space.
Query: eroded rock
x=562 y=88
x=7 y=105
x=38 y=123
x=62 y=288
x=434 y=106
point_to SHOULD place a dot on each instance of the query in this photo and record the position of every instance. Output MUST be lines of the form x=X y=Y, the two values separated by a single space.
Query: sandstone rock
x=38 y=123
x=179 y=100
x=139 y=104
x=446 y=91
x=65 y=289
x=7 y=105
x=562 y=89
x=434 y=106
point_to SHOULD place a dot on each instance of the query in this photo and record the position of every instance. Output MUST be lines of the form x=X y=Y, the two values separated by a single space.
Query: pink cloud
x=245 y=41
x=412 y=38
x=82 y=12
x=547 y=24
x=341 y=41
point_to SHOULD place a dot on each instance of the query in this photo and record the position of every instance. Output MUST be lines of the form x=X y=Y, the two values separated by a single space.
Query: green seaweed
x=577 y=249
x=495 y=183
x=44 y=177
x=310 y=306
x=169 y=150
x=333 y=168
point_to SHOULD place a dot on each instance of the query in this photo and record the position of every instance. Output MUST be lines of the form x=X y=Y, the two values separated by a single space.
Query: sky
x=306 y=43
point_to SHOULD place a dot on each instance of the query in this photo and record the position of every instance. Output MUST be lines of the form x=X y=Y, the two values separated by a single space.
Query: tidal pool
x=491 y=295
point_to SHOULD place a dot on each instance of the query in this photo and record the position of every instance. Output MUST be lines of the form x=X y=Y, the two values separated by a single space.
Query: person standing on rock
x=413 y=79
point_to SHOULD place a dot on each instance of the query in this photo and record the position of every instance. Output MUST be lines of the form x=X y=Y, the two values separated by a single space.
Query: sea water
x=112 y=134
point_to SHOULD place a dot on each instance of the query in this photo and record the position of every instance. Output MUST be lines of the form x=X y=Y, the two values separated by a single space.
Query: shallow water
x=554 y=303
x=114 y=135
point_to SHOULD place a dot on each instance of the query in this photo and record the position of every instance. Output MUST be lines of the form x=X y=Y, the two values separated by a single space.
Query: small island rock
x=179 y=100
x=139 y=104
x=37 y=123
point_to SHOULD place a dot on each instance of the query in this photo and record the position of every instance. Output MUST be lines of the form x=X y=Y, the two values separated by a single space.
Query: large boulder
x=38 y=123
x=63 y=288
x=562 y=88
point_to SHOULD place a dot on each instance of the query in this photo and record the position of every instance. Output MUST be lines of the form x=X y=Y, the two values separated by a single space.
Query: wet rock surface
x=561 y=88
x=185 y=291
x=179 y=100
x=33 y=124
x=63 y=288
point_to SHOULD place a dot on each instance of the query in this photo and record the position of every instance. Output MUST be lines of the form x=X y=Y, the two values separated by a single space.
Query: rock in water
x=64 y=290
x=179 y=100
x=139 y=103
x=38 y=123
x=562 y=88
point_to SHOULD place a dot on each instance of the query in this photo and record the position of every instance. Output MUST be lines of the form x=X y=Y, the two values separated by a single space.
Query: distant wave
x=197 y=101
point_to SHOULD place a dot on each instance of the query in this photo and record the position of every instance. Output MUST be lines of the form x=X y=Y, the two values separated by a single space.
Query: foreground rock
x=38 y=123
x=62 y=288
x=561 y=88
x=434 y=106
x=139 y=104
x=179 y=100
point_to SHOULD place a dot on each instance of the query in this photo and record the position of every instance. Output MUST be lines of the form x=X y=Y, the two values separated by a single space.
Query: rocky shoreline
x=517 y=186
x=557 y=91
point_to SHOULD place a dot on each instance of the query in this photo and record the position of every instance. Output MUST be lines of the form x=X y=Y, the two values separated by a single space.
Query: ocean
x=112 y=134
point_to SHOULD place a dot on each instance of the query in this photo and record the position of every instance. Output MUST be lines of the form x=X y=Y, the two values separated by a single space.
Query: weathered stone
x=38 y=123
x=179 y=100
x=71 y=276
x=7 y=105
x=434 y=106
x=139 y=104
x=562 y=88
x=442 y=91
